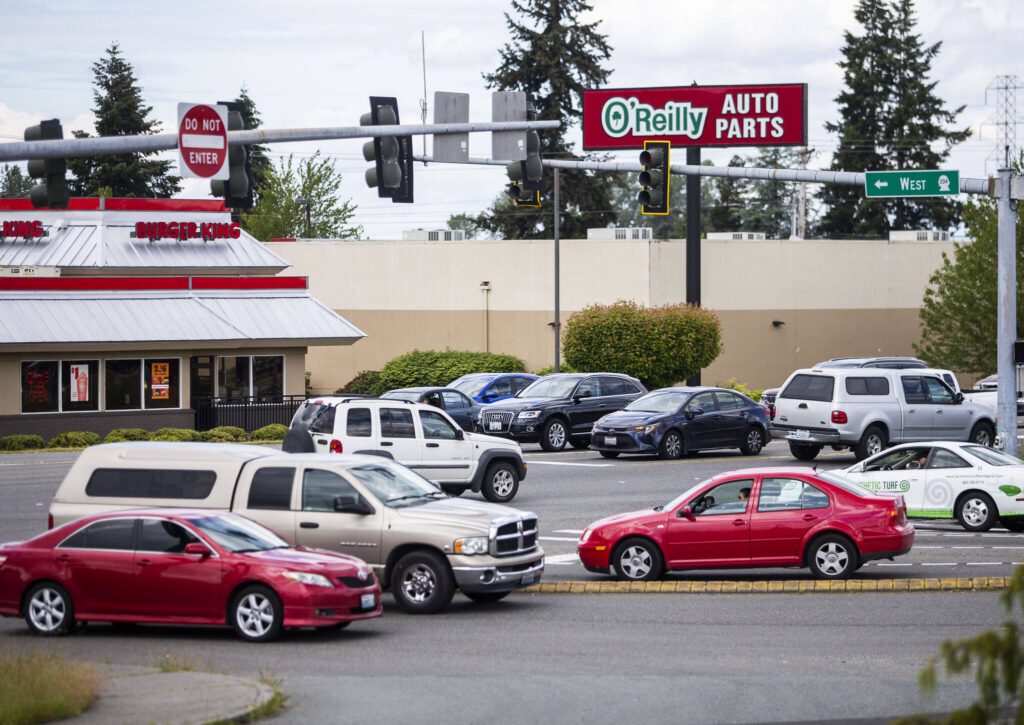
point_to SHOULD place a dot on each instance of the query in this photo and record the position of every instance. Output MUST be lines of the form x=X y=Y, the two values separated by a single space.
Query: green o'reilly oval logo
x=628 y=116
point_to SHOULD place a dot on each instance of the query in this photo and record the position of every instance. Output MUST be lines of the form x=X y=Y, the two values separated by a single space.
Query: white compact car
x=943 y=480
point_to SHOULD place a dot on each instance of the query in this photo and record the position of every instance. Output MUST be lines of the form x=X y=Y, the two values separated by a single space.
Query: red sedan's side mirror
x=686 y=511
x=197 y=549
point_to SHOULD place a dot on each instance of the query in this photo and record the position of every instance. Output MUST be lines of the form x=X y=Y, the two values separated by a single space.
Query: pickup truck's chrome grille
x=504 y=421
x=514 y=537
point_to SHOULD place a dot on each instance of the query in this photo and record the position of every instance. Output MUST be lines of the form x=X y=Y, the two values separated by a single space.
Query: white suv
x=421 y=437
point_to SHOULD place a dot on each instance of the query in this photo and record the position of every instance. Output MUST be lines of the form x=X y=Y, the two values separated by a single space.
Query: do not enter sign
x=203 y=141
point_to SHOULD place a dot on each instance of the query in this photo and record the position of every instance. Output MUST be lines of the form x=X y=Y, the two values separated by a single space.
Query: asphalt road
x=589 y=658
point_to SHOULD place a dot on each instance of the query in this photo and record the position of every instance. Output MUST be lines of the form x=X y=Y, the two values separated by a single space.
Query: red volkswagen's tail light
x=896 y=515
x=839 y=416
x=335 y=446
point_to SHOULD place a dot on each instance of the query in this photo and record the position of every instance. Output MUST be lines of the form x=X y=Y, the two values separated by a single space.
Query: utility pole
x=558 y=303
x=1006 y=316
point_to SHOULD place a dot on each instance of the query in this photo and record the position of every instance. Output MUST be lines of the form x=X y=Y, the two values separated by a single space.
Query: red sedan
x=753 y=518
x=181 y=567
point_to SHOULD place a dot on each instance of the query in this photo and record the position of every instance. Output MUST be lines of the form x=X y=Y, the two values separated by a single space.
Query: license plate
x=611 y=440
x=366 y=601
x=528 y=578
x=801 y=434
x=494 y=425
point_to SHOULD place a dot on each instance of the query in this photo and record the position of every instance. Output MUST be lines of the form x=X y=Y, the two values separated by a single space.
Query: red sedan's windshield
x=237 y=534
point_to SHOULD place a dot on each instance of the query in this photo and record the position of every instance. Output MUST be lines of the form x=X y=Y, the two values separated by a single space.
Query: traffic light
x=654 y=179
x=53 y=192
x=526 y=178
x=391 y=173
x=237 y=190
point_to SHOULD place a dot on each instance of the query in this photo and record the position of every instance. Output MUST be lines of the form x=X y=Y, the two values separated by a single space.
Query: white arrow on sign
x=879 y=184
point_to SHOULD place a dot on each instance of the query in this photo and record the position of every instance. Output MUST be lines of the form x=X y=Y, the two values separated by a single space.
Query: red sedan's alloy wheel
x=49 y=611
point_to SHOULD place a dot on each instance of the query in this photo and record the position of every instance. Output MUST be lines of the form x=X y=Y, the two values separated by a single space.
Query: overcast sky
x=312 y=63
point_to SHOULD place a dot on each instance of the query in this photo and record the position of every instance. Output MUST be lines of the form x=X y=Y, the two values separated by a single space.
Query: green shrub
x=734 y=384
x=659 y=345
x=432 y=367
x=225 y=434
x=120 y=435
x=175 y=434
x=272 y=432
x=365 y=383
x=74 y=439
x=21 y=442
x=563 y=368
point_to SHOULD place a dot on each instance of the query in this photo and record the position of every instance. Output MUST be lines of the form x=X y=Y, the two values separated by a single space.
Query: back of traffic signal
x=53 y=192
x=391 y=173
x=526 y=178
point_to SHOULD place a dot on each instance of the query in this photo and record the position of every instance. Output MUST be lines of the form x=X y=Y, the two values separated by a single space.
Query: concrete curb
x=145 y=694
x=771 y=587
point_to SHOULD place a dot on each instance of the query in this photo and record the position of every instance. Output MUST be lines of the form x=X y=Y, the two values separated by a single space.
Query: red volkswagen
x=753 y=518
x=181 y=567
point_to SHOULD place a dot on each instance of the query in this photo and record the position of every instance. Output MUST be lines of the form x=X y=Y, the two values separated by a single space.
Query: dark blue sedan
x=492 y=387
x=675 y=421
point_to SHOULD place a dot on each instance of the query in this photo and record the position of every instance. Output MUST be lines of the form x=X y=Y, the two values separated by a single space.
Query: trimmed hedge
x=225 y=434
x=433 y=367
x=175 y=434
x=734 y=384
x=22 y=442
x=74 y=439
x=658 y=345
x=120 y=435
x=272 y=432
x=365 y=383
x=550 y=369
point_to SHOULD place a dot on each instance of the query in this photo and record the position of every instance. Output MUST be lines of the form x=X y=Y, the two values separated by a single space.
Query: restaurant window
x=123 y=384
x=233 y=377
x=163 y=383
x=268 y=375
x=40 y=386
x=80 y=385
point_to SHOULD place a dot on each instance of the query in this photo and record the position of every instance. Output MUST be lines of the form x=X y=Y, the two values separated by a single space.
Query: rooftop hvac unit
x=29 y=271
x=736 y=235
x=434 y=235
x=919 y=235
x=621 y=233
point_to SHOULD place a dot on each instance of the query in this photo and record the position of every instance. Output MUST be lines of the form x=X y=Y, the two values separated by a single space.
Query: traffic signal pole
x=558 y=280
x=1006 y=315
x=108 y=145
x=693 y=238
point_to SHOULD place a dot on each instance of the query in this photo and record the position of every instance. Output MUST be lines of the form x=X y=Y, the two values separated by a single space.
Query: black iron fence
x=247 y=413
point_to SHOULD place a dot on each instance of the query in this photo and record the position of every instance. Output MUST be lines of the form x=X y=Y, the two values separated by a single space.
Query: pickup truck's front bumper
x=500 y=576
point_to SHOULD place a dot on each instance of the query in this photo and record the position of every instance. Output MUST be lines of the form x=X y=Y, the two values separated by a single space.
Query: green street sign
x=883 y=184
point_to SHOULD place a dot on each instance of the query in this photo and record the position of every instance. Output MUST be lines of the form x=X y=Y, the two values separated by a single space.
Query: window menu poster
x=160 y=377
x=79 y=383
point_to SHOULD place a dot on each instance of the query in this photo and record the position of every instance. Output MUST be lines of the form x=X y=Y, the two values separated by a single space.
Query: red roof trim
x=128 y=284
x=248 y=283
x=93 y=204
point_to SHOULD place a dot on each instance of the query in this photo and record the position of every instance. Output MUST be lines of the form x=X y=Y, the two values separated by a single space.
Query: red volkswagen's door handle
x=738 y=522
x=809 y=517
x=144 y=562
x=63 y=558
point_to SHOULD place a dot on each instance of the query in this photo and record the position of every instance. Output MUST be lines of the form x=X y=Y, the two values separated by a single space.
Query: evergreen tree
x=553 y=56
x=729 y=201
x=769 y=207
x=861 y=127
x=13 y=182
x=890 y=118
x=279 y=212
x=120 y=111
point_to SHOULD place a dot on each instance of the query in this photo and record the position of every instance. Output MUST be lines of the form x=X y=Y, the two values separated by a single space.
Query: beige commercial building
x=783 y=304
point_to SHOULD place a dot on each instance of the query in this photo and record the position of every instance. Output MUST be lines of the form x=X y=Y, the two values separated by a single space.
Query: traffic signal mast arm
x=809 y=176
x=108 y=145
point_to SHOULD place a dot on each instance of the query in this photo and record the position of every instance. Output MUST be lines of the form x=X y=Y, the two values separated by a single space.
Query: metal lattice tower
x=1002 y=94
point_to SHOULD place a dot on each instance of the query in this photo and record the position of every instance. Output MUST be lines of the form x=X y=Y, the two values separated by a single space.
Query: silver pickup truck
x=421 y=542
x=868 y=409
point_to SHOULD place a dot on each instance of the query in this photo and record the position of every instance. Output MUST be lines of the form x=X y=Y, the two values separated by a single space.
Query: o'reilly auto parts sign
x=760 y=115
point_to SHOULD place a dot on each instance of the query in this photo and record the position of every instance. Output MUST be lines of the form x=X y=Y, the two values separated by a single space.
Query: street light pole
x=558 y=291
x=1006 y=315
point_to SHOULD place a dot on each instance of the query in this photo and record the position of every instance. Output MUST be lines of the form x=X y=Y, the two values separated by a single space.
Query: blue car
x=675 y=421
x=490 y=387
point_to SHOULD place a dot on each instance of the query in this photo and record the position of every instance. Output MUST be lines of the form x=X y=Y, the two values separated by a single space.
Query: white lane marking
x=929 y=547
x=566 y=463
x=557 y=538
x=984 y=563
x=965 y=547
x=577 y=531
x=561 y=560
x=883 y=563
x=951 y=534
x=943 y=563
x=1008 y=547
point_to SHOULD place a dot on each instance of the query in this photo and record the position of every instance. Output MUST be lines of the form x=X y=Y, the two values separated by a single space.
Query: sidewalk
x=147 y=695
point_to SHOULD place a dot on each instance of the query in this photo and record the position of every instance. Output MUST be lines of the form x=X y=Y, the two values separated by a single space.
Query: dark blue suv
x=675 y=421
x=491 y=387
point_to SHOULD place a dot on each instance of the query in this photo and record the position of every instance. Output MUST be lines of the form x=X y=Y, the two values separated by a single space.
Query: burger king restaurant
x=149 y=313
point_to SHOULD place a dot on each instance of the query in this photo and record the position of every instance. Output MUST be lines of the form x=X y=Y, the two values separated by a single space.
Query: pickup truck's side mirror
x=351 y=504
x=198 y=549
x=459 y=434
x=958 y=398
